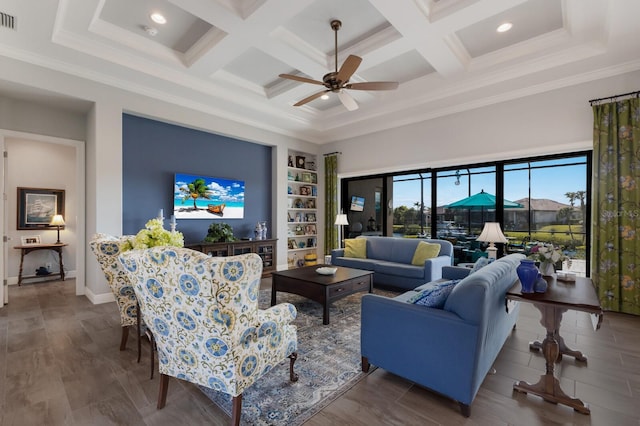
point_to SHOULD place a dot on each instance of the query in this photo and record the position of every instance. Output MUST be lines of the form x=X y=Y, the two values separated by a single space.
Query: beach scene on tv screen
x=204 y=197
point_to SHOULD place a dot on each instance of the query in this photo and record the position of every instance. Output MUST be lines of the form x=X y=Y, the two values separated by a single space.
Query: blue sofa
x=390 y=260
x=448 y=350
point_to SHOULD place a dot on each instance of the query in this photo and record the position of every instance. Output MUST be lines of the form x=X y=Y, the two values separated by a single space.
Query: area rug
x=328 y=365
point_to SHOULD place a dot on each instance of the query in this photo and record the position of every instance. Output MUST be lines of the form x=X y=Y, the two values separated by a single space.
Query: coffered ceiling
x=224 y=56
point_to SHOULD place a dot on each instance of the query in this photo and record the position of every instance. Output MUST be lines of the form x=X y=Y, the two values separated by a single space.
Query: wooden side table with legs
x=560 y=296
x=26 y=249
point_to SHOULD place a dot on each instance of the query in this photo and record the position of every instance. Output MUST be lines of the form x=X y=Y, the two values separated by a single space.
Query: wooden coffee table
x=323 y=289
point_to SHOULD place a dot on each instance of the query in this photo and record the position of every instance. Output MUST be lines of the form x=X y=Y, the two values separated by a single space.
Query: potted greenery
x=219 y=232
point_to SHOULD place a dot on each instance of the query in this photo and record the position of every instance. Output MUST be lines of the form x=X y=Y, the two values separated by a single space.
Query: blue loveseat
x=390 y=260
x=448 y=350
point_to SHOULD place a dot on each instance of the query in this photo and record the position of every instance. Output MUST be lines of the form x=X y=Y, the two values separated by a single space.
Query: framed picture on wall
x=37 y=206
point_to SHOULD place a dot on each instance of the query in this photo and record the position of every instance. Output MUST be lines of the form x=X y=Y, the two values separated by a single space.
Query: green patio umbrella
x=481 y=201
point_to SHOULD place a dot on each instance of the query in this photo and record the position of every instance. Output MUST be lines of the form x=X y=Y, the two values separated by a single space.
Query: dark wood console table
x=266 y=249
x=579 y=295
x=26 y=249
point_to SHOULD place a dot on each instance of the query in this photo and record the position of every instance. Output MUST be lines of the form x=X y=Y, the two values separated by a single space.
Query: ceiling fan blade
x=310 y=98
x=302 y=79
x=373 y=85
x=348 y=102
x=348 y=68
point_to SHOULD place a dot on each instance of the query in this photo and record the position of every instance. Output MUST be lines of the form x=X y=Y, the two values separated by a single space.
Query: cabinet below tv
x=266 y=249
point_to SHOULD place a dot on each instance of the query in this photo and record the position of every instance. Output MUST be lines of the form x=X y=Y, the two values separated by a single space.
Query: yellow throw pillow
x=355 y=247
x=425 y=251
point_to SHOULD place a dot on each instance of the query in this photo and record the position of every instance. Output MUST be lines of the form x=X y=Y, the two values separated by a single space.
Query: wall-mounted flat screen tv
x=357 y=204
x=204 y=197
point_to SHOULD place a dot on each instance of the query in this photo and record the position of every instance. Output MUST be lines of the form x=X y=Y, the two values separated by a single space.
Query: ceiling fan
x=338 y=80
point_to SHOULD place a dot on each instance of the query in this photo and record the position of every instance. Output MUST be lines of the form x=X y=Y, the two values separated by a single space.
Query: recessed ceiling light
x=324 y=97
x=158 y=18
x=502 y=28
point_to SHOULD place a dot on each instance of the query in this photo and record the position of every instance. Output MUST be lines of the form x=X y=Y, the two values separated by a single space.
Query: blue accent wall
x=154 y=151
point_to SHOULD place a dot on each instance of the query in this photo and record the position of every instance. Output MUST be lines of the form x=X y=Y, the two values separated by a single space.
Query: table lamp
x=491 y=233
x=57 y=221
x=341 y=219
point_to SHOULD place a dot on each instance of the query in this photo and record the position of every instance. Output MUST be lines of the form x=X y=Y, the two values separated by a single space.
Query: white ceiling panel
x=230 y=52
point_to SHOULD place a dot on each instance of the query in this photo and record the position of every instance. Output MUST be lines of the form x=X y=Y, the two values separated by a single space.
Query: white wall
x=37 y=164
x=551 y=122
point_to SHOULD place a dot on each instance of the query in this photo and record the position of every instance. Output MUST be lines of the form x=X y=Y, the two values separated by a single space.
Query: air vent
x=7 y=21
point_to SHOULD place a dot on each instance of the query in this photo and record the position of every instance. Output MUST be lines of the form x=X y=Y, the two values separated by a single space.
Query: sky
x=547 y=182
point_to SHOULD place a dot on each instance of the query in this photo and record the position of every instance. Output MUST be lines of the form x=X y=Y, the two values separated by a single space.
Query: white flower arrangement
x=547 y=253
x=154 y=235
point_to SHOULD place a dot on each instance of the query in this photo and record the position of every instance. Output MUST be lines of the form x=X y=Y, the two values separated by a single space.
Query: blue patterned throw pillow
x=480 y=263
x=434 y=295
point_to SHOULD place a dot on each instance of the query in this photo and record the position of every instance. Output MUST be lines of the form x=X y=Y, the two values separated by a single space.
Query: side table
x=560 y=296
x=26 y=249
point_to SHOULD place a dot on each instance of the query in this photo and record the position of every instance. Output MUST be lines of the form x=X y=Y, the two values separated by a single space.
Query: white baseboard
x=98 y=299
x=67 y=274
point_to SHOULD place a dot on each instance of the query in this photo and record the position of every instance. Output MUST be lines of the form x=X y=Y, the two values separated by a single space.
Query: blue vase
x=540 y=285
x=528 y=275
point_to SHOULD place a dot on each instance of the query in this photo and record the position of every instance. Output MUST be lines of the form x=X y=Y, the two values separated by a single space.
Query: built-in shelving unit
x=302 y=219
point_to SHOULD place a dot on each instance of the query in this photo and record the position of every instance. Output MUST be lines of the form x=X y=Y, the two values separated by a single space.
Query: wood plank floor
x=60 y=365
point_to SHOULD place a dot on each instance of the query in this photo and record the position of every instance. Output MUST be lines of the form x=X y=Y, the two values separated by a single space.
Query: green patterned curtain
x=331 y=202
x=616 y=234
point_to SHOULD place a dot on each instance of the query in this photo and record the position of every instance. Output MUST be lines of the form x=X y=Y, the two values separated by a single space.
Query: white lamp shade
x=341 y=219
x=491 y=233
x=57 y=220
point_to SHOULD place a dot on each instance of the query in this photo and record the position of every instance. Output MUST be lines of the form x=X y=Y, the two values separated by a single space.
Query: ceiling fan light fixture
x=503 y=28
x=158 y=18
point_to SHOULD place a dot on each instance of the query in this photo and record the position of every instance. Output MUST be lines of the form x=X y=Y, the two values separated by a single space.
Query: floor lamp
x=341 y=219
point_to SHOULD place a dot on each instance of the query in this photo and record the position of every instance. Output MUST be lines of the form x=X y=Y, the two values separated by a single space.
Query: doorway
x=39 y=161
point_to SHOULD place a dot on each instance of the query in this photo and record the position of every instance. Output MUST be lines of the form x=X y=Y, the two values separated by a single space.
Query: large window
x=537 y=201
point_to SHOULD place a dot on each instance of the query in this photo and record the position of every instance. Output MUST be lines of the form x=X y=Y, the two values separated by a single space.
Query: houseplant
x=153 y=235
x=549 y=256
x=219 y=232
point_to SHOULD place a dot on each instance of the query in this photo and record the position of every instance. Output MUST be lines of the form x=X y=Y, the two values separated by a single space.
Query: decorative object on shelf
x=219 y=232
x=290 y=163
x=305 y=190
x=289 y=190
x=341 y=220
x=264 y=230
x=258 y=231
x=290 y=175
x=292 y=244
x=566 y=276
x=298 y=204
x=548 y=256
x=314 y=178
x=173 y=223
x=300 y=161
x=57 y=221
x=154 y=235
x=371 y=224
x=314 y=191
x=326 y=270
x=528 y=274
x=42 y=271
x=310 y=204
x=310 y=229
x=540 y=286
x=301 y=244
x=547 y=268
x=311 y=165
x=491 y=233
x=30 y=240
x=310 y=259
x=306 y=177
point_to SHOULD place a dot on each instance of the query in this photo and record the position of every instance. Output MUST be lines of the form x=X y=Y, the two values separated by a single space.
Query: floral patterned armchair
x=107 y=248
x=203 y=312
